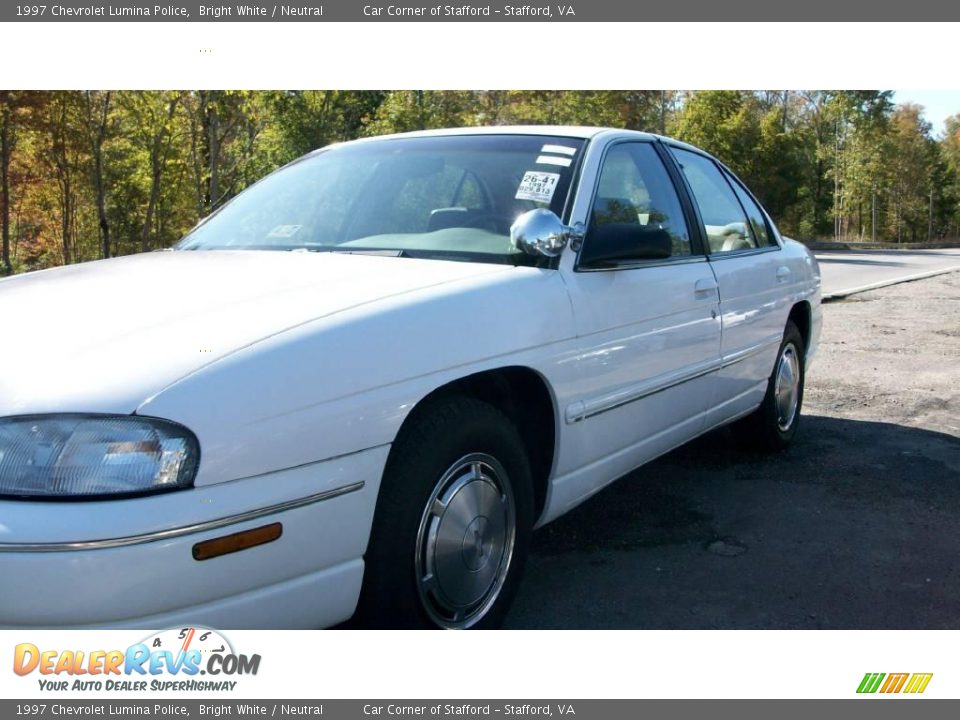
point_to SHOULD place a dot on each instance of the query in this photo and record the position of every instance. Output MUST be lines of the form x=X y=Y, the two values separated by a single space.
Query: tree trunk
x=213 y=152
x=203 y=158
x=836 y=186
x=5 y=152
x=66 y=209
x=155 y=176
x=99 y=136
x=663 y=112
x=158 y=159
x=818 y=197
x=61 y=162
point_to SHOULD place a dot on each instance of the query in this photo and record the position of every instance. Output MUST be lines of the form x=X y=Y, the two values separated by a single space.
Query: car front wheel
x=453 y=521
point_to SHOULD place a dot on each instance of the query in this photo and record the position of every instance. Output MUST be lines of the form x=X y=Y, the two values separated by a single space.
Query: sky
x=938 y=104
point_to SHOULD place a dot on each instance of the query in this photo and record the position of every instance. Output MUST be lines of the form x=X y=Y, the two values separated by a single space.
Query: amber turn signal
x=237 y=541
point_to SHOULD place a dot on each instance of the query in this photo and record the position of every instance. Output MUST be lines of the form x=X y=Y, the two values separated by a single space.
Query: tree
x=310 y=119
x=406 y=110
x=224 y=128
x=96 y=106
x=7 y=139
x=103 y=173
x=64 y=157
x=914 y=161
x=950 y=154
x=153 y=114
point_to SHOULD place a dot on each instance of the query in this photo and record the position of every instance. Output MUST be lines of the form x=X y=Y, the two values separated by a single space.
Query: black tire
x=434 y=441
x=764 y=429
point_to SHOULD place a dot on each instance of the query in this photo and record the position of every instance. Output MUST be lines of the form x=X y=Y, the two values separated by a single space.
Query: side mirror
x=625 y=242
x=540 y=232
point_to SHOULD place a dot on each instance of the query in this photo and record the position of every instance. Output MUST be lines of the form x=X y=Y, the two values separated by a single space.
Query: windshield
x=452 y=197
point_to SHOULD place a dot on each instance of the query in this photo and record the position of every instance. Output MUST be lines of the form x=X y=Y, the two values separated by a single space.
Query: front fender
x=346 y=383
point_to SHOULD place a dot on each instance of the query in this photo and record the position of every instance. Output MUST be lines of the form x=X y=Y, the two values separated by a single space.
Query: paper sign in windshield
x=561 y=149
x=537 y=186
x=554 y=160
x=284 y=231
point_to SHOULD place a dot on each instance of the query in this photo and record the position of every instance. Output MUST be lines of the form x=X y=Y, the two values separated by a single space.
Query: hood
x=105 y=336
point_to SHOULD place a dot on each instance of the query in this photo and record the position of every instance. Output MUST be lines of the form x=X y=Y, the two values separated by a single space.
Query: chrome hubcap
x=465 y=542
x=786 y=387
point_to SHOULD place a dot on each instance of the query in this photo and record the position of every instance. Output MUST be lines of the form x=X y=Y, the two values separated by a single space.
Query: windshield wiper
x=372 y=251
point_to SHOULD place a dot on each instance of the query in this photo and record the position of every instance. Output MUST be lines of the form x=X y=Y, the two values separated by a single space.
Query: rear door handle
x=705 y=286
x=783 y=273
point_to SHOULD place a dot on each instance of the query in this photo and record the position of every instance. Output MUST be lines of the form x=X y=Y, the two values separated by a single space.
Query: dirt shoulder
x=892 y=354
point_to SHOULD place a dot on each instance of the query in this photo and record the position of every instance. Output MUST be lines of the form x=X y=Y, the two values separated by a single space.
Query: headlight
x=87 y=456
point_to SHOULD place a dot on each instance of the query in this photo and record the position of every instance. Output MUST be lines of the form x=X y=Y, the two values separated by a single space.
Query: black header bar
x=729 y=38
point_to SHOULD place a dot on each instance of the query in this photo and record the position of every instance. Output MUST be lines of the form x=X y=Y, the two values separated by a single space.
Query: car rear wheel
x=772 y=426
x=452 y=524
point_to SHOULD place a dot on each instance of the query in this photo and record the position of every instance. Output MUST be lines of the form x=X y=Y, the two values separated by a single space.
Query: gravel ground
x=856 y=526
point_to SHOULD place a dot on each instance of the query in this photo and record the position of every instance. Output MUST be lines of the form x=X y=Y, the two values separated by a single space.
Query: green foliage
x=307 y=120
x=96 y=173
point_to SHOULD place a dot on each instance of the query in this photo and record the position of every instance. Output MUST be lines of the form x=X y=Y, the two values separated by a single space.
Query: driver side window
x=636 y=214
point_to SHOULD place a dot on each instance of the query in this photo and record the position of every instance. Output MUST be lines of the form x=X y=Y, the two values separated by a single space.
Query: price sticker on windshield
x=537 y=186
x=284 y=231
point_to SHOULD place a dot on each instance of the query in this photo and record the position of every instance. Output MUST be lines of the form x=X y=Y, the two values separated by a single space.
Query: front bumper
x=129 y=563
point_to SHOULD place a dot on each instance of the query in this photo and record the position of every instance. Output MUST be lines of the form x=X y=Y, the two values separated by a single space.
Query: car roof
x=574 y=131
x=580 y=132
x=571 y=131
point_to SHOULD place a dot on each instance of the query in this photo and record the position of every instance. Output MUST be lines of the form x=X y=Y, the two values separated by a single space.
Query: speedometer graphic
x=181 y=640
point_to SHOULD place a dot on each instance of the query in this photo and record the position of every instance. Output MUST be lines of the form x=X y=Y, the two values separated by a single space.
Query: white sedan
x=357 y=388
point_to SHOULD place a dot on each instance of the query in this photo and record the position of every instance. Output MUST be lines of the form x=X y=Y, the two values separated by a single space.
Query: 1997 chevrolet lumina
x=358 y=387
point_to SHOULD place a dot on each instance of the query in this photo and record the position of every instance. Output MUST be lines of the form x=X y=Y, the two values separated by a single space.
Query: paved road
x=844 y=271
x=854 y=527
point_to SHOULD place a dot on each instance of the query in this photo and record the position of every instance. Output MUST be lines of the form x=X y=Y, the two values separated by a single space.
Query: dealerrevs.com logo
x=884 y=683
x=179 y=659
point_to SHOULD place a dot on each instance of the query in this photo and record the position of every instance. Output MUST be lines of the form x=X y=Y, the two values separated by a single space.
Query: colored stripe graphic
x=870 y=682
x=894 y=683
x=918 y=683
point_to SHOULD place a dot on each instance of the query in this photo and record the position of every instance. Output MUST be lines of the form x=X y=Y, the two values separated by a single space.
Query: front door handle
x=705 y=286
x=783 y=273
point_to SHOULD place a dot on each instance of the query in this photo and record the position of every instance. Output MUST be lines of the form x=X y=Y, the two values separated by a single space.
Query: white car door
x=752 y=275
x=646 y=308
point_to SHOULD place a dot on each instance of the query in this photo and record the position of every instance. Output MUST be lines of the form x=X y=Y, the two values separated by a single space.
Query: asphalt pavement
x=854 y=527
x=849 y=271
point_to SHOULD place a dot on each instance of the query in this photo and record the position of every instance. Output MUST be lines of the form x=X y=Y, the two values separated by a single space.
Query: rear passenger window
x=636 y=213
x=727 y=227
x=754 y=214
